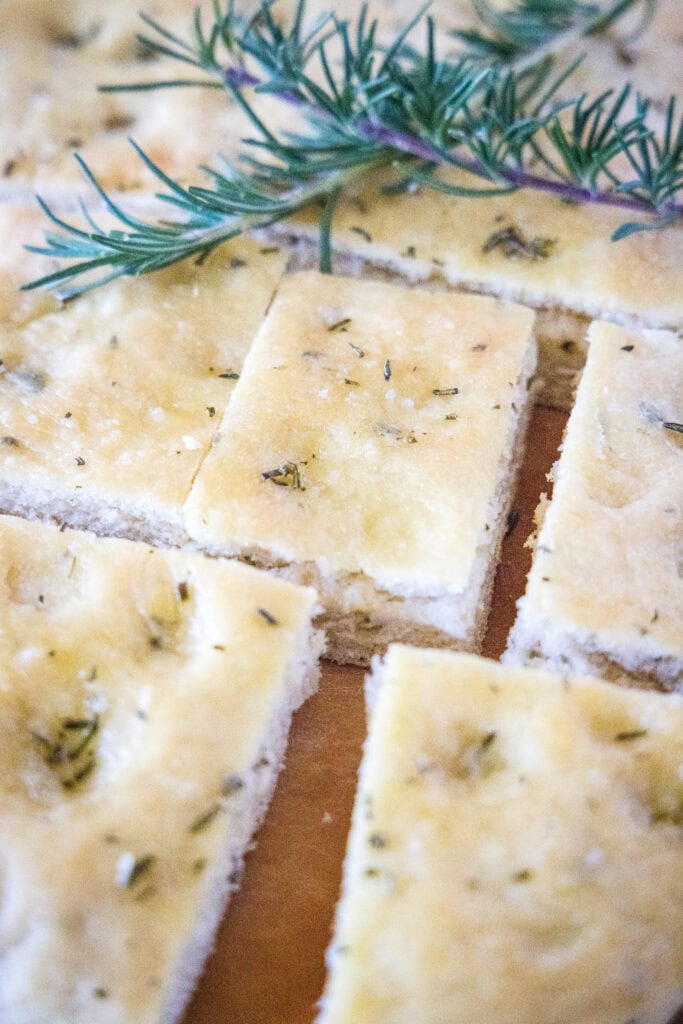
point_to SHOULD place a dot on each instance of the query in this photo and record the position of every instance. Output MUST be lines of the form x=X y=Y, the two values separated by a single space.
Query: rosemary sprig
x=534 y=28
x=395 y=107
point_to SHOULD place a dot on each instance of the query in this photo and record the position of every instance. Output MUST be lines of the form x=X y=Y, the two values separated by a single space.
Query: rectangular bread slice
x=515 y=852
x=370 y=450
x=605 y=591
x=109 y=403
x=145 y=700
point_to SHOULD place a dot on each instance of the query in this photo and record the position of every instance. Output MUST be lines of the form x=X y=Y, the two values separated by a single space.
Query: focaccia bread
x=145 y=700
x=50 y=106
x=109 y=403
x=529 y=246
x=525 y=247
x=515 y=851
x=605 y=591
x=370 y=450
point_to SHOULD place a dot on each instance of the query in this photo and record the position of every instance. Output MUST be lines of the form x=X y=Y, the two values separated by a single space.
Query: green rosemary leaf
x=325 y=233
x=403 y=108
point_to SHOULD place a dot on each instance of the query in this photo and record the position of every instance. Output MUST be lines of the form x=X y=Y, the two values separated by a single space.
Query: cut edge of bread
x=159 y=525
x=303 y=242
x=248 y=809
x=537 y=641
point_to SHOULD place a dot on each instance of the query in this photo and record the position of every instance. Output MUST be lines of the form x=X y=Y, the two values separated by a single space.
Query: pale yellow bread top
x=50 y=105
x=130 y=378
x=349 y=382
x=515 y=853
x=172 y=679
x=643 y=48
x=609 y=560
x=431 y=234
x=19 y=227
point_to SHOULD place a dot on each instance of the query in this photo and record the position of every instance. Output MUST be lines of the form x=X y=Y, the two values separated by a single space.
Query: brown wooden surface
x=268 y=966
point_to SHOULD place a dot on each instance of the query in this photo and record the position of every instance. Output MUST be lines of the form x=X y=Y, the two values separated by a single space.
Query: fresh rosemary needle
x=493 y=112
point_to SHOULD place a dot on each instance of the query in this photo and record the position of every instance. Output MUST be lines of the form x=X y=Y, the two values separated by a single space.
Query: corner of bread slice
x=144 y=713
x=514 y=845
x=605 y=590
x=370 y=450
x=110 y=402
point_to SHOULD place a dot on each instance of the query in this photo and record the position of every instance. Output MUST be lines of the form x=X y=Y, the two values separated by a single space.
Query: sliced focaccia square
x=605 y=591
x=370 y=449
x=145 y=700
x=515 y=851
x=109 y=403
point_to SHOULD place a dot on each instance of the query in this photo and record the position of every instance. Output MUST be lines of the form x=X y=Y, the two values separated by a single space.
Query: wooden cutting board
x=269 y=962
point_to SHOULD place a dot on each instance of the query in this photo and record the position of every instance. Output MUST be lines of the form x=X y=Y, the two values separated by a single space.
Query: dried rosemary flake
x=627 y=736
x=627 y=348
x=267 y=617
x=286 y=475
x=340 y=325
x=232 y=784
x=80 y=461
x=183 y=590
x=204 y=820
x=359 y=351
x=362 y=232
x=387 y=370
x=351 y=383
x=514 y=246
x=229 y=374
x=522 y=876
x=486 y=742
x=378 y=841
x=445 y=391
x=10 y=442
x=139 y=868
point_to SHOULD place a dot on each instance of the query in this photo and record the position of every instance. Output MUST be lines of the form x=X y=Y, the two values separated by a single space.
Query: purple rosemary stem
x=413 y=146
x=521 y=179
